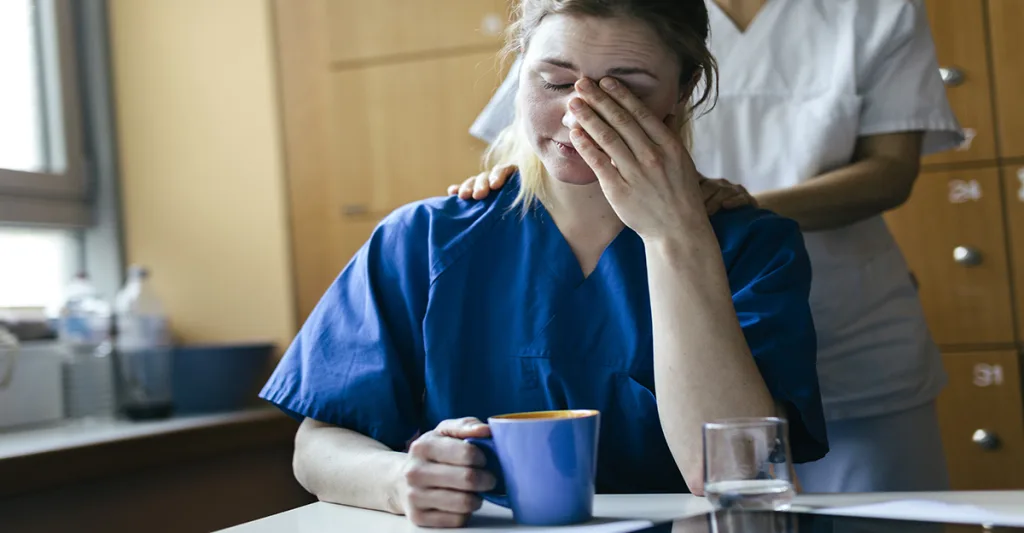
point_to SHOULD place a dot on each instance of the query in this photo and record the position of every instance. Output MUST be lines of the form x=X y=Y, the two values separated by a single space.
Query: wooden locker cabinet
x=378 y=98
x=1013 y=194
x=958 y=29
x=406 y=126
x=981 y=420
x=1006 y=20
x=361 y=31
x=951 y=233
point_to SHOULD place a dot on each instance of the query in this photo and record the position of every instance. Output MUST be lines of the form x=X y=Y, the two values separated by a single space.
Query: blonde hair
x=681 y=24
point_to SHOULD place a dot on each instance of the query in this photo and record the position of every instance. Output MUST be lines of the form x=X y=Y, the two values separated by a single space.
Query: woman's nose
x=569 y=119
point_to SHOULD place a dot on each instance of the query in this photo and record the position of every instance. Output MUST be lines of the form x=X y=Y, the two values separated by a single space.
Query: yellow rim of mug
x=539 y=416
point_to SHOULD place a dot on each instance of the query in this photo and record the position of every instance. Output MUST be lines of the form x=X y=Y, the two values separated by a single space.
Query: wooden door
x=980 y=414
x=1013 y=194
x=362 y=31
x=1006 y=21
x=375 y=119
x=958 y=28
x=951 y=232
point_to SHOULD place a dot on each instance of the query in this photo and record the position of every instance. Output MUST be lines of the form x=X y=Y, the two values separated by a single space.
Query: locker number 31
x=986 y=375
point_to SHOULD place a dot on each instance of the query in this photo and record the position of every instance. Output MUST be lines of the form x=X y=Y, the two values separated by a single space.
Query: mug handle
x=498 y=495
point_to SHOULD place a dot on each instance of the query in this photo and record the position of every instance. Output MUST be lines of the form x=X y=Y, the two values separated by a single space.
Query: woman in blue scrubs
x=617 y=292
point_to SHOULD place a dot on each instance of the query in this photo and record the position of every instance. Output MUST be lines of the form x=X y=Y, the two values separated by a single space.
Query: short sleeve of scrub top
x=355 y=362
x=771 y=304
x=899 y=79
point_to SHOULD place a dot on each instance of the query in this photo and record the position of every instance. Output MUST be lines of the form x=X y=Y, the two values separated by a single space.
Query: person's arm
x=342 y=466
x=880 y=178
x=352 y=377
x=703 y=368
x=435 y=484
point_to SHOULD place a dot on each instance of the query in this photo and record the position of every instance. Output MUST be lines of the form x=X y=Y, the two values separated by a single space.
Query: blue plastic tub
x=216 y=378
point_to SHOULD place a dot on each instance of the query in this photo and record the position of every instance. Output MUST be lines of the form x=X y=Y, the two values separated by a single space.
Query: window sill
x=49 y=457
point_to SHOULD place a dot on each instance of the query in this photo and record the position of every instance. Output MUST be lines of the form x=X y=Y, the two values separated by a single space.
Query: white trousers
x=894 y=452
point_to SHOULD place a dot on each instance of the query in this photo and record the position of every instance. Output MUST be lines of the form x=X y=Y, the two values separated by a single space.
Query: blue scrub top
x=457 y=308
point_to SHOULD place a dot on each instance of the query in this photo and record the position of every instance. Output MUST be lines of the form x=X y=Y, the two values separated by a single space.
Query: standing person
x=824 y=110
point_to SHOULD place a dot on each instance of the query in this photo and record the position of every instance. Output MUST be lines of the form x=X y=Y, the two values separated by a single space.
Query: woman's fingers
x=436 y=475
x=447 y=450
x=500 y=175
x=721 y=194
x=450 y=501
x=438 y=519
x=479 y=187
x=602 y=134
x=618 y=120
x=466 y=189
x=738 y=200
x=596 y=159
x=713 y=204
x=654 y=129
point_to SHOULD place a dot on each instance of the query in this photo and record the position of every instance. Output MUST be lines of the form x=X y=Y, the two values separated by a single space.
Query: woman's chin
x=572 y=173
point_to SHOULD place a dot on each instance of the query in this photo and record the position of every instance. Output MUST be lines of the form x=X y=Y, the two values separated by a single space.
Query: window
x=55 y=123
x=37 y=265
x=21 y=131
x=42 y=179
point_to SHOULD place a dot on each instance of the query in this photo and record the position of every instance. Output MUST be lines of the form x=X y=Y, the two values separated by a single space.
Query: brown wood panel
x=364 y=138
x=965 y=305
x=303 y=52
x=958 y=28
x=405 y=134
x=984 y=393
x=1013 y=193
x=1006 y=20
x=361 y=31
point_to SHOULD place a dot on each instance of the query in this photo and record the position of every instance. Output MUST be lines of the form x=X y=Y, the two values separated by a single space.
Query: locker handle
x=967 y=256
x=952 y=76
x=986 y=440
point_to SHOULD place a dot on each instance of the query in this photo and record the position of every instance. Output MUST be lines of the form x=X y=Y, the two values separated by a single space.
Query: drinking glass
x=747 y=464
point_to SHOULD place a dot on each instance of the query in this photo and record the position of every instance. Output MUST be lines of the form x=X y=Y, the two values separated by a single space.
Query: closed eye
x=558 y=88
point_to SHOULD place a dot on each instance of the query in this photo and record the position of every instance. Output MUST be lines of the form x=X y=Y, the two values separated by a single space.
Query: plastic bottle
x=83 y=331
x=144 y=349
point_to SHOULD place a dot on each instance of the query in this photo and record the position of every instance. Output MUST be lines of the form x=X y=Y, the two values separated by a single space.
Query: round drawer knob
x=951 y=76
x=985 y=439
x=966 y=256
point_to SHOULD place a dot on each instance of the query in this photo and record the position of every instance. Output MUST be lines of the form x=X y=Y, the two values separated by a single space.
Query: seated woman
x=614 y=284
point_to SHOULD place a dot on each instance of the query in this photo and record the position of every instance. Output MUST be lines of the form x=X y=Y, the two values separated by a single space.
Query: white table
x=329 y=518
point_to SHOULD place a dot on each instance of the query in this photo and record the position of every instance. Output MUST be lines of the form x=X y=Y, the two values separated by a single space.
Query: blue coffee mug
x=545 y=463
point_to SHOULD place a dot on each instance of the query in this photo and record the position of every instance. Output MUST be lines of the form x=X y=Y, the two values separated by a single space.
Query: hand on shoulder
x=718 y=194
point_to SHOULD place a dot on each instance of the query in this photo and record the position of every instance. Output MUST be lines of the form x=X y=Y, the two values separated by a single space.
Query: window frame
x=53 y=198
x=94 y=221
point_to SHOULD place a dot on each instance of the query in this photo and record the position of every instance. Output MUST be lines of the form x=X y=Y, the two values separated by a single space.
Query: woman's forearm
x=842 y=197
x=880 y=178
x=342 y=466
x=703 y=369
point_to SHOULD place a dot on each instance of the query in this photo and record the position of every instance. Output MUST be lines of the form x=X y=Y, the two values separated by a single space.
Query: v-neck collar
x=563 y=261
x=726 y=36
x=730 y=23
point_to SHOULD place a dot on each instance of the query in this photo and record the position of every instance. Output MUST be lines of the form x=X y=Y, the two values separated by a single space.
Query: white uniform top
x=796 y=89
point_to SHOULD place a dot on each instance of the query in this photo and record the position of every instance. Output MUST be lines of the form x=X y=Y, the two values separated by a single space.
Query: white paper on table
x=927 y=511
x=624 y=526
